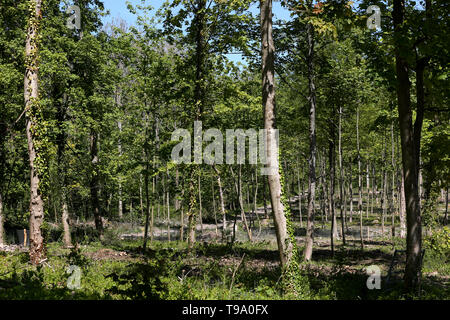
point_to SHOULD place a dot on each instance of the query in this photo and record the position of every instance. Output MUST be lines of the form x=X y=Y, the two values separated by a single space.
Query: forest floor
x=117 y=268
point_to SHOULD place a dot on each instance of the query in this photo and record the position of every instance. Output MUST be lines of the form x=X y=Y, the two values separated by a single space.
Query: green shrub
x=439 y=242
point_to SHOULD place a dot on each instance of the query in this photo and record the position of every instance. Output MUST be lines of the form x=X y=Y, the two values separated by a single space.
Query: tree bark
x=384 y=199
x=300 y=194
x=2 y=230
x=95 y=182
x=331 y=159
x=446 y=208
x=147 y=201
x=222 y=205
x=286 y=245
x=200 y=211
x=312 y=145
x=409 y=160
x=359 y=181
x=213 y=195
x=61 y=143
x=350 y=184
x=168 y=208
x=341 y=178
x=31 y=95
x=391 y=203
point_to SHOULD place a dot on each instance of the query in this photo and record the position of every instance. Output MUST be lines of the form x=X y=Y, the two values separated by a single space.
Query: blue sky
x=118 y=9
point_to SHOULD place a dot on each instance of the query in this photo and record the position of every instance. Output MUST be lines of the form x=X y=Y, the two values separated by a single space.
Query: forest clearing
x=224 y=150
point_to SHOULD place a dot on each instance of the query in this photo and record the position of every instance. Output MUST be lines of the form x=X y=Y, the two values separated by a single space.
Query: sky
x=118 y=9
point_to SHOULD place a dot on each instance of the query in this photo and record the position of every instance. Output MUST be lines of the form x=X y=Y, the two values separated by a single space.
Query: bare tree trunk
x=168 y=209
x=359 y=181
x=213 y=195
x=312 y=145
x=391 y=204
x=367 y=190
x=61 y=143
x=350 y=184
x=95 y=183
x=141 y=202
x=446 y=208
x=300 y=194
x=414 y=224
x=341 y=178
x=147 y=204
x=2 y=230
x=266 y=211
x=384 y=199
x=255 y=199
x=402 y=207
x=331 y=158
x=191 y=210
x=238 y=187
x=119 y=147
x=222 y=205
x=325 y=192
x=152 y=212
x=31 y=95
x=200 y=204
x=373 y=190
x=65 y=222
x=182 y=217
x=286 y=245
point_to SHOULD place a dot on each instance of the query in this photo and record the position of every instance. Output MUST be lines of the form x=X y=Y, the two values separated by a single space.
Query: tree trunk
x=341 y=179
x=66 y=226
x=147 y=202
x=286 y=245
x=168 y=209
x=373 y=190
x=141 y=201
x=331 y=159
x=199 y=24
x=200 y=205
x=312 y=145
x=255 y=199
x=325 y=191
x=414 y=226
x=182 y=217
x=2 y=230
x=300 y=194
x=191 y=210
x=350 y=184
x=213 y=195
x=61 y=143
x=238 y=187
x=119 y=147
x=367 y=190
x=222 y=205
x=384 y=199
x=446 y=209
x=94 y=183
x=359 y=181
x=177 y=184
x=391 y=203
x=266 y=211
x=402 y=212
x=32 y=105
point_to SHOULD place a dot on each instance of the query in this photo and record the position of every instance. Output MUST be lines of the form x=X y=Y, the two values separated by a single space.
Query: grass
x=211 y=271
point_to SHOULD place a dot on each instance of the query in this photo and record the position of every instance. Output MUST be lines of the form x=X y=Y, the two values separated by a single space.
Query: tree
x=35 y=131
x=414 y=229
x=287 y=245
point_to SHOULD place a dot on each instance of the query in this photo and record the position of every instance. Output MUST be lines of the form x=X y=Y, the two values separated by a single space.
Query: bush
x=439 y=242
x=111 y=237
